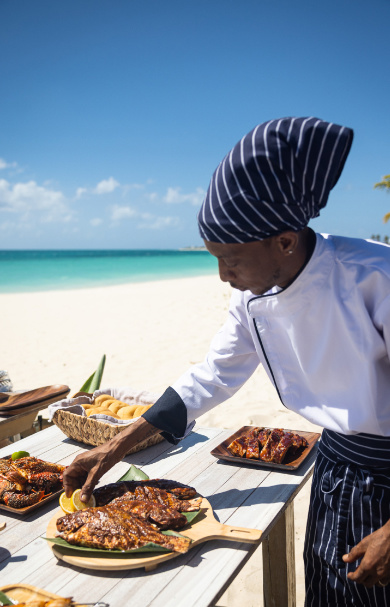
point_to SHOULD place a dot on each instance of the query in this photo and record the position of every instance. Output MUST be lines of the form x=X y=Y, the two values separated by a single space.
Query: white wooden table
x=240 y=495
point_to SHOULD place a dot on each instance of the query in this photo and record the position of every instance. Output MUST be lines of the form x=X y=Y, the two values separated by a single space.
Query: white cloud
x=122 y=212
x=147 y=221
x=152 y=222
x=80 y=192
x=174 y=196
x=106 y=186
x=30 y=198
x=96 y=221
x=7 y=165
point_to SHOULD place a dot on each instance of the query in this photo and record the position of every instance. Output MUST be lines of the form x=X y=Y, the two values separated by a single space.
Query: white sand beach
x=150 y=333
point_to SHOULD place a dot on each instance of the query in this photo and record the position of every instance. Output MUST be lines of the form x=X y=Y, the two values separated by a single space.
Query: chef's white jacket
x=323 y=340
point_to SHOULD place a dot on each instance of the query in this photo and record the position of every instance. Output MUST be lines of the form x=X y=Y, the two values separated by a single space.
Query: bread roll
x=127 y=412
x=99 y=400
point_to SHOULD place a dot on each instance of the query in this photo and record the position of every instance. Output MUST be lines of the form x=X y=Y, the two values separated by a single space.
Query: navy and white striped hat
x=275 y=179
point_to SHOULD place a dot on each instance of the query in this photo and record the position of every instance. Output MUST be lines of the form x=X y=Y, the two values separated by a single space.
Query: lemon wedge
x=18 y=454
x=66 y=504
x=78 y=504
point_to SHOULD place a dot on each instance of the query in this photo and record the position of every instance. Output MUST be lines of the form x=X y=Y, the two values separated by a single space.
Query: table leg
x=279 y=585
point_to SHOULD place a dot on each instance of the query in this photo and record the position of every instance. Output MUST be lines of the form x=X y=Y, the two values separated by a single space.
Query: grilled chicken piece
x=104 y=495
x=282 y=447
x=298 y=442
x=263 y=436
x=111 y=528
x=238 y=447
x=253 y=449
x=268 y=451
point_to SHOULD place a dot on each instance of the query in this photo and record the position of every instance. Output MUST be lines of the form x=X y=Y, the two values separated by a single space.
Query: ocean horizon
x=48 y=270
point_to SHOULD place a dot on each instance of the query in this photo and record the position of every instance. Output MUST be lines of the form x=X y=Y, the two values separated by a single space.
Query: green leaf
x=134 y=474
x=149 y=547
x=5 y=600
x=190 y=516
x=93 y=382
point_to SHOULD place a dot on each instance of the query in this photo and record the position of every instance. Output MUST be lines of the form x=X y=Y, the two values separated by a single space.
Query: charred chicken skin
x=269 y=445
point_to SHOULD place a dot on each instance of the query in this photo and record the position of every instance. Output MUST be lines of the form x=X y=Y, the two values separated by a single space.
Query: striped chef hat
x=275 y=179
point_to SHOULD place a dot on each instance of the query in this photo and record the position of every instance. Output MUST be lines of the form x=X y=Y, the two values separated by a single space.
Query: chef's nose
x=225 y=274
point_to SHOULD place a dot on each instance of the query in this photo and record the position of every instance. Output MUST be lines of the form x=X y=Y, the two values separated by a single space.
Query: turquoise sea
x=22 y=271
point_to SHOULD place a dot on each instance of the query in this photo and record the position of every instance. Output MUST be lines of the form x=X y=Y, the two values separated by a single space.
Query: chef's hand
x=88 y=467
x=374 y=550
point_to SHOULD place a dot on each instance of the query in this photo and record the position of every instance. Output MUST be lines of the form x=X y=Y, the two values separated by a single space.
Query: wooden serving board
x=24 y=593
x=291 y=462
x=205 y=527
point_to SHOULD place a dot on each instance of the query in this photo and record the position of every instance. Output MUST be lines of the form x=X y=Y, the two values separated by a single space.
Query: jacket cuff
x=169 y=414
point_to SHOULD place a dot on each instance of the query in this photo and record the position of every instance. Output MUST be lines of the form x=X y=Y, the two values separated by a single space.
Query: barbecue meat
x=238 y=447
x=174 y=492
x=282 y=447
x=163 y=516
x=268 y=451
x=111 y=528
x=269 y=445
x=253 y=449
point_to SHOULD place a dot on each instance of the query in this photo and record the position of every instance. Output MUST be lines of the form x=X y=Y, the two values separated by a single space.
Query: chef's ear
x=287 y=242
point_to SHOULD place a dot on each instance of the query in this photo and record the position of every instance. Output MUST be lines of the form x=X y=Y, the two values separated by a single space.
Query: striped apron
x=350 y=498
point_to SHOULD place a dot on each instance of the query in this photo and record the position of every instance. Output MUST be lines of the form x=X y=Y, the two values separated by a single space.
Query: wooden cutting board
x=16 y=402
x=18 y=399
x=205 y=527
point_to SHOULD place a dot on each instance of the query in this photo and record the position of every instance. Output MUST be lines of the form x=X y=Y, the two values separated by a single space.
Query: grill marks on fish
x=129 y=514
x=269 y=445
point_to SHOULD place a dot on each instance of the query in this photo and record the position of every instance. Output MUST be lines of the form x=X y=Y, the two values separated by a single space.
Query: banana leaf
x=5 y=600
x=93 y=382
x=149 y=547
x=133 y=474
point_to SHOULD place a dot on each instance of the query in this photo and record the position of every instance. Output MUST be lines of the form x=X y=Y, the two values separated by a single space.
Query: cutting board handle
x=217 y=531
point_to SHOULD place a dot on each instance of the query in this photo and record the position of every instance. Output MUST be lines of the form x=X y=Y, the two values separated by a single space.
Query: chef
x=314 y=310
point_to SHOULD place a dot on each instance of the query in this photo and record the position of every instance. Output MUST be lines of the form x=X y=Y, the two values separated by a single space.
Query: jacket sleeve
x=231 y=360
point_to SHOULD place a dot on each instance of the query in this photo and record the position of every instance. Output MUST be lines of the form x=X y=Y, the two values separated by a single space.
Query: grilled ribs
x=269 y=445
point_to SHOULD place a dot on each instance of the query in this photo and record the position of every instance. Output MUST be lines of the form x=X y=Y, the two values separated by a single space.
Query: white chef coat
x=323 y=340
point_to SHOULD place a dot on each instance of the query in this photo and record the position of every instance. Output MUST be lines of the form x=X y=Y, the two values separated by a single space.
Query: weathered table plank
x=240 y=495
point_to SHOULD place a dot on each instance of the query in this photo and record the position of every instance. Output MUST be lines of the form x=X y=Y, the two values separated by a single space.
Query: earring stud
x=290 y=251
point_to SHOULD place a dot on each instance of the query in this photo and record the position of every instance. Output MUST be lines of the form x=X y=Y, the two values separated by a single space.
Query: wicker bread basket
x=96 y=432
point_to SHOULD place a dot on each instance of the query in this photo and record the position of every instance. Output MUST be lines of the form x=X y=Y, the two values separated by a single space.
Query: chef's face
x=254 y=266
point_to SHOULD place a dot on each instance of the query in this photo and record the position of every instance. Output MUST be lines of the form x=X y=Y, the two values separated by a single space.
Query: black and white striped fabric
x=275 y=179
x=350 y=499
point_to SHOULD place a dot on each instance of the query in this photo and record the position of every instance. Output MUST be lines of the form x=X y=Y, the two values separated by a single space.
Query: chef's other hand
x=88 y=467
x=374 y=550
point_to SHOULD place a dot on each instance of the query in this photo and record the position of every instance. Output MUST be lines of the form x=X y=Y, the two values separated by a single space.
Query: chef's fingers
x=92 y=480
x=73 y=478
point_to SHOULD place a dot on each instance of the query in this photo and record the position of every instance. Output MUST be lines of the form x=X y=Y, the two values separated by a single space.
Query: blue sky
x=115 y=113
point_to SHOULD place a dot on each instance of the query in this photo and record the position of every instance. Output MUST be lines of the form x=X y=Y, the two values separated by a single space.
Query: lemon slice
x=78 y=504
x=18 y=454
x=66 y=504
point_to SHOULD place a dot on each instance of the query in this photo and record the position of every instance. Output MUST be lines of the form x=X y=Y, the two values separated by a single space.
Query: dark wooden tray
x=291 y=462
x=17 y=402
x=29 y=509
